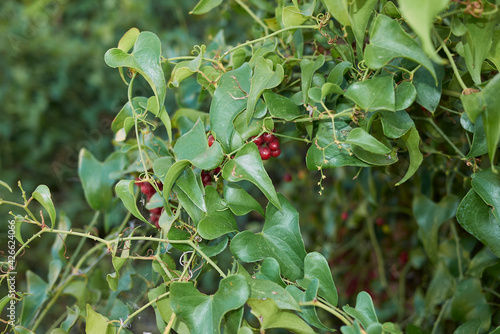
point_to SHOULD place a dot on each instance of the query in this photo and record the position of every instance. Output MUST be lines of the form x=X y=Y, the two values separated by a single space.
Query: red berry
x=379 y=221
x=211 y=140
x=217 y=171
x=258 y=140
x=287 y=177
x=265 y=153
x=276 y=153
x=156 y=211
x=274 y=145
x=344 y=216
x=206 y=178
x=155 y=220
x=268 y=137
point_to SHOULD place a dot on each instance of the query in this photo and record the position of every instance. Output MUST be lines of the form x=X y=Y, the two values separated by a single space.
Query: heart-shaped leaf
x=316 y=268
x=364 y=311
x=308 y=68
x=281 y=107
x=373 y=94
x=405 y=95
x=430 y=216
x=476 y=218
x=336 y=75
x=97 y=323
x=230 y=98
x=486 y=184
x=382 y=50
x=264 y=289
x=428 y=94
x=247 y=165
x=361 y=138
x=185 y=69
x=188 y=183
x=280 y=239
x=219 y=220
x=42 y=196
x=191 y=305
x=395 y=124
x=98 y=177
x=239 y=201
x=469 y=303
x=146 y=60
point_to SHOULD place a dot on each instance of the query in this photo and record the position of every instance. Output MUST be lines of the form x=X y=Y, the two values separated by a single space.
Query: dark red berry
x=211 y=140
x=258 y=140
x=265 y=153
x=156 y=211
x=155 y=220
x=276 y=153
x=217 y=171
x=206 y=178
x=344 y=216
x=268 y=137
x=287 y=177
x=379 y=221
x=274 y=145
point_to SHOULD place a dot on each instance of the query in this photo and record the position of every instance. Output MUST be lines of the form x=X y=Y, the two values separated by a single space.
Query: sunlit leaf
x=42 y=195
x=125 y=190
x=204 y=6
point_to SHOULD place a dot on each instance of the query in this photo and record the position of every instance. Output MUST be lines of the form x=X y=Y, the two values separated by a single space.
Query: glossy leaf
x=264 y=289
x=428 y=93
x=395 y=124
x=476 y=218
x=469 y=327
x=173 y=173
x=246 y=130
x=486 y=184
x=186 y=68
x=98 y=177
x=42 y=195
x=469 y=303
x=430 y=216
x=145 y=59
x=364 y=311
x=336 y=75
x=308 y=312
x=38 y=291
x=325 y=154
x=270 y=316
x=479 y=144
x=280 y=239
x=308 y=68
x=97 y=323
x=128 y=39
x=316 y=267
x=374 y=158
x=360 y=12
x=420 y=16
x=477 y=43
x=382 y=50
x=127 y=112
x=373 y=94
x=204 y=6
x=219 y=220
x=188 y=183
x=359 y=137
x=263 y=78
x=405 y=95
x=247 y=165
x=125 y=190
x=281 y=107
x=230 y=98
x=412 y=141
x=191 y=305
x=339 y=10
x=270 y=270
x=292 y=16
x=193 y=146
x=194 y=212
x=239 y=201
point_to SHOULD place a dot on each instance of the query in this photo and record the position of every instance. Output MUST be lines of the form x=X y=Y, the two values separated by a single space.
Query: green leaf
x=280 y=239
x=308 y=312
x=188 y=183
x=476 y=218
x=316 y=267
x=482 y=260
x=382 y=50
x=329 y=88
x=228 y=101
x=97 y=323
x=420 y=17
x=281 y=107
x=98 y=177
x=323 y=153
x=405 y=95
x=430 y=216
x=219 y=220
x=42 y=196
x=186 y=68
x=270 y=316
x=373 y=94
x=395 y=124
x=469 y=327
x=247 y=165
x=360 y=12
x=173 y=173
x=477 y=43
x=479 y=144
x=361 y=138
x=270 y=270
x=263 y=78
x=428 y=94
x=364 y=311
x=412 y=141
x=264 y=289
x=494 y=54
x=128 y=39
x=486 y=184
x=292 y=16
x=127 y=112
x=38 y=295
x=125 y=190
x=204 y=6
x=374 y=158
x=3 y=184
x=308 y=68
x=339 y=10
x=193 y=146
x=71 y=318
x=469 y=303
x=192 y=210
x=191 y=305
x=239 y=201
x=145 y=59
x=336 y=75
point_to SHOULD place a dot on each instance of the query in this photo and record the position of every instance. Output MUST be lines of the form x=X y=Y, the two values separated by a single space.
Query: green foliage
x=384 y=126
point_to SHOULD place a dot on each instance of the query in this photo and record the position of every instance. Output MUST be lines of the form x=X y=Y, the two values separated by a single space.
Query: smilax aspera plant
x=393 y=106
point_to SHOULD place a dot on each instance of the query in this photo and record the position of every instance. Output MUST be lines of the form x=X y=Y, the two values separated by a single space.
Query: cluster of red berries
x=148 y=190
x=207 y=175
x=268 y=144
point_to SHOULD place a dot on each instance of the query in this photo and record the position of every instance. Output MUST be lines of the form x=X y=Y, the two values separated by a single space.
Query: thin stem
x=451 y=93
x=378 y=253
x=440 y=316
x=266 y=37
x=212 y=263
x=328 y=309
x=189 y=58
x=252 y=14
x=450 y=58
x=170 y=323
x=457 y=242
x=144 y=307
x=12 y=203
